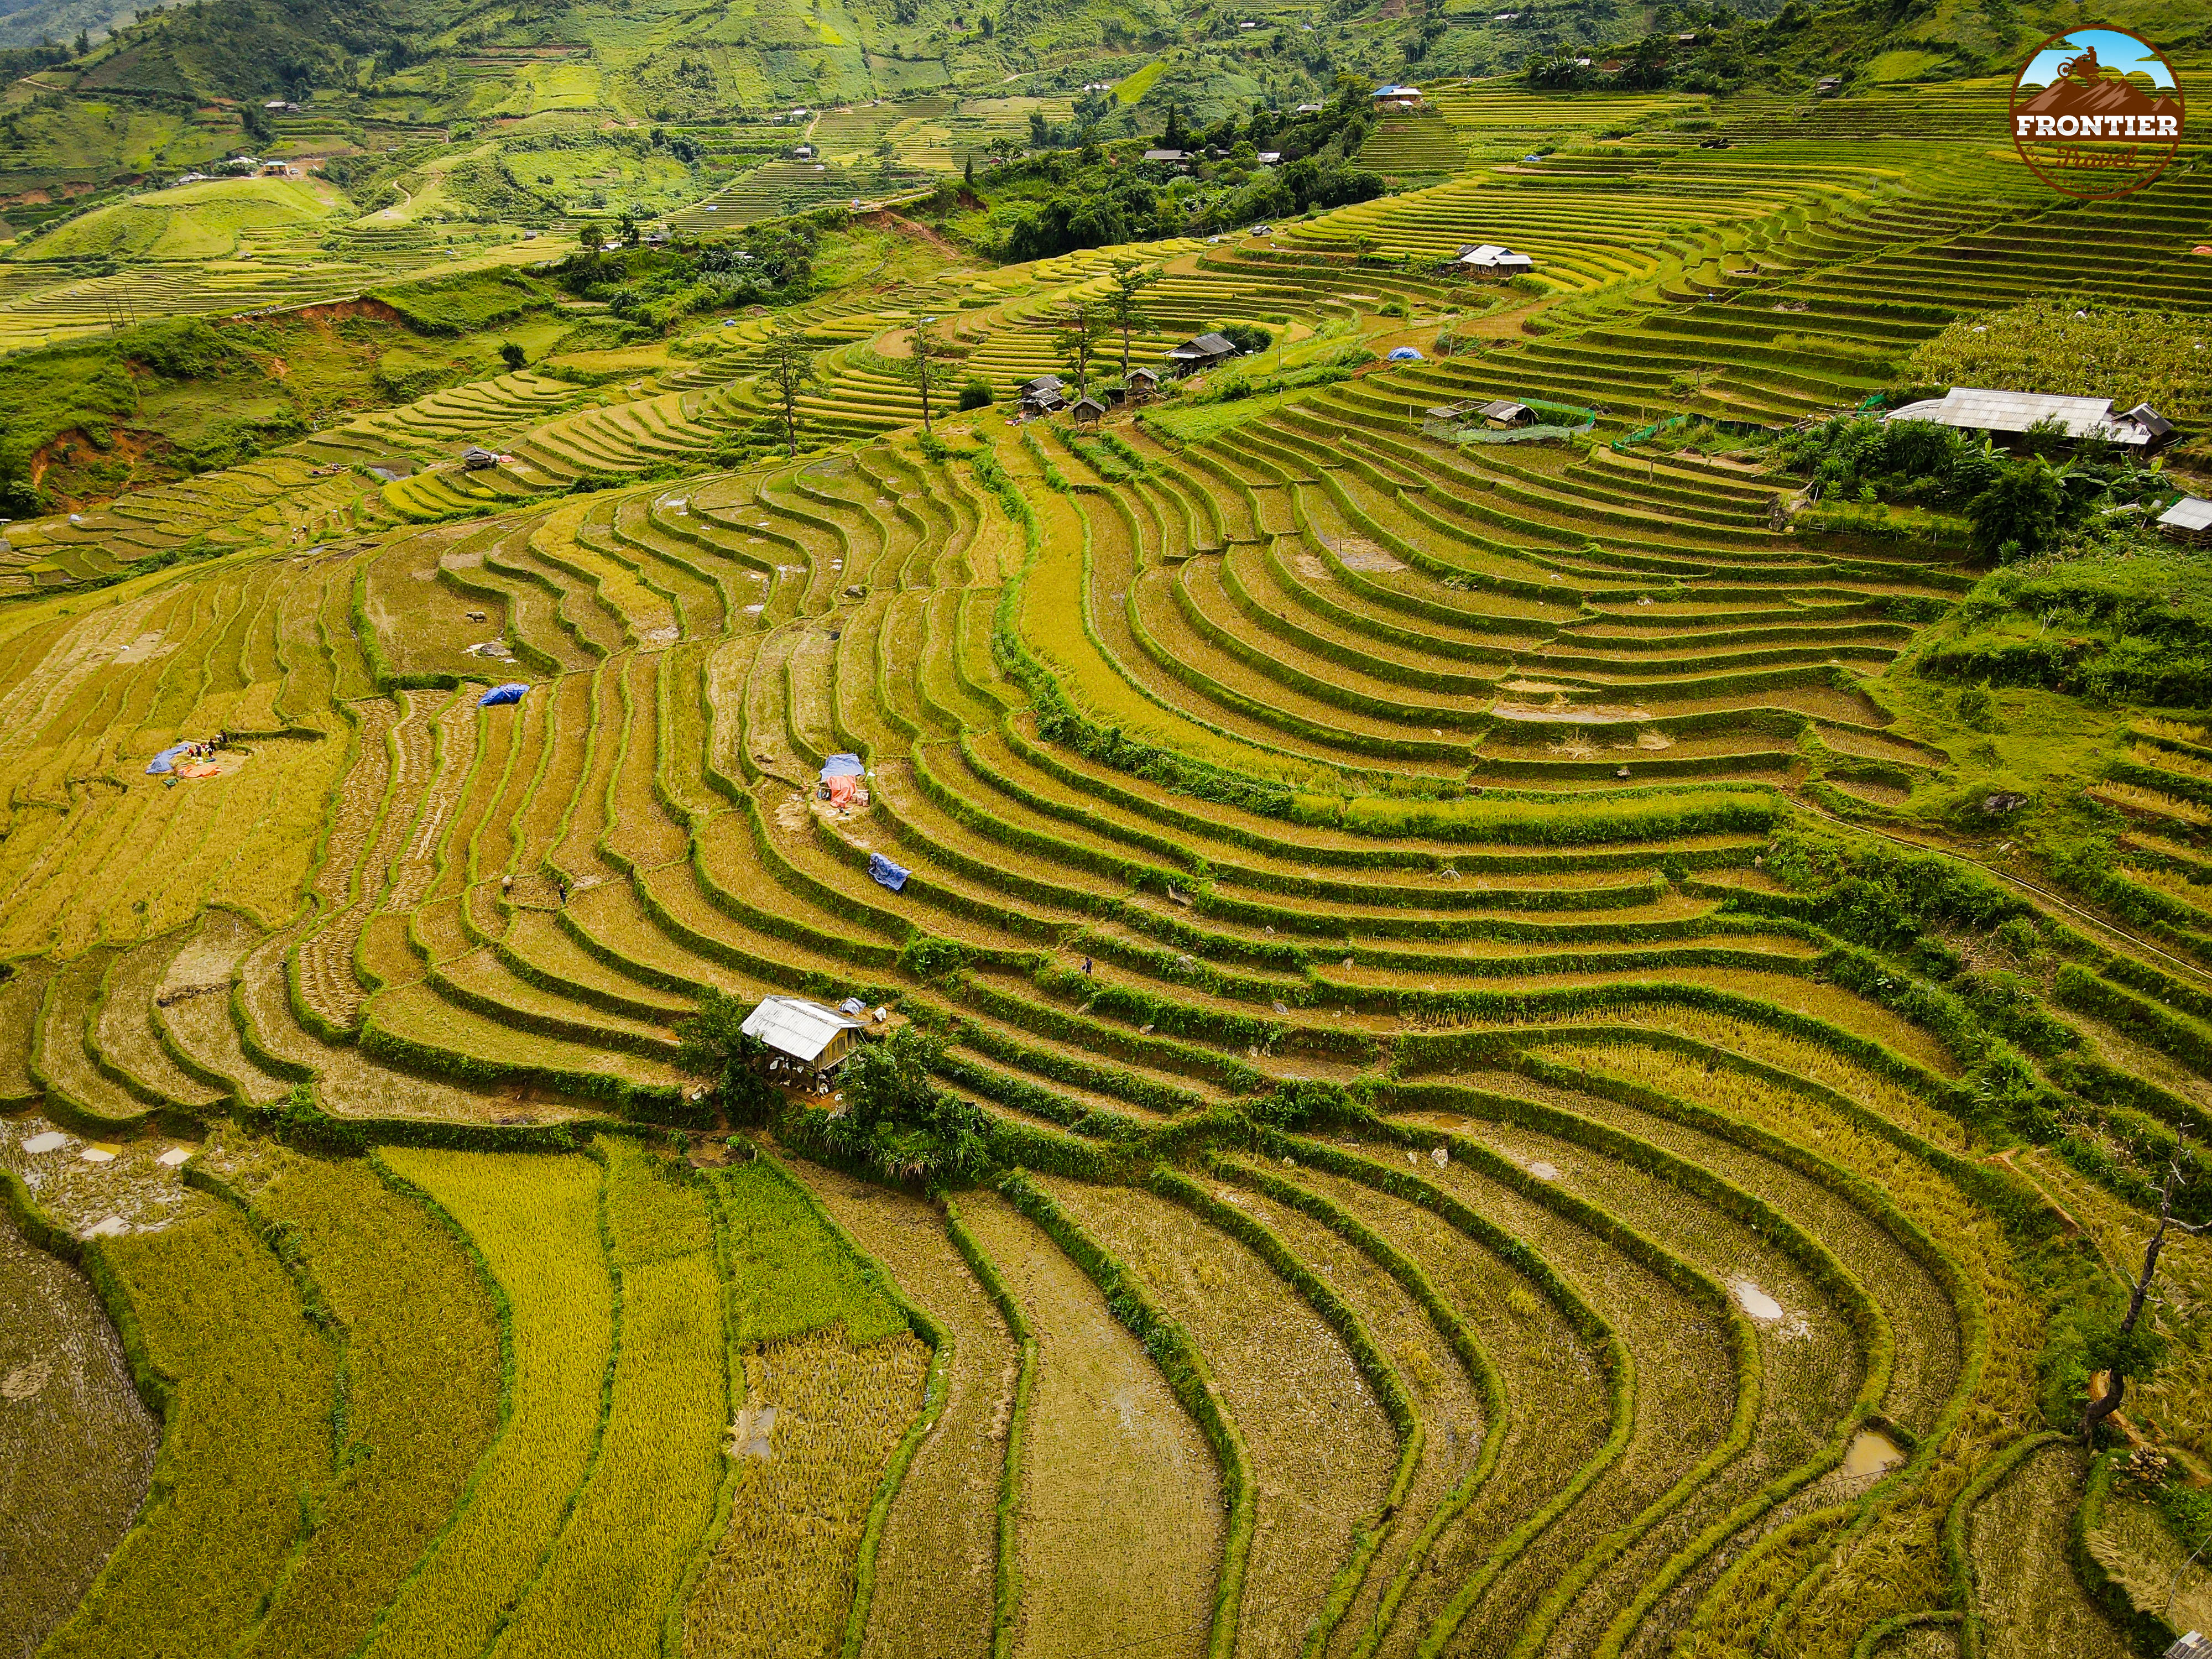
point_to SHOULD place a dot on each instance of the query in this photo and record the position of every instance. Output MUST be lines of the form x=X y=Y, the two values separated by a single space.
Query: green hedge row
x=1082 y=1072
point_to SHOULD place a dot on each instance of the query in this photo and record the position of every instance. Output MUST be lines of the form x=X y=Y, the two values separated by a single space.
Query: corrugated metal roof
x=2188 y=513
x=794 y=1026
x=1983 y=409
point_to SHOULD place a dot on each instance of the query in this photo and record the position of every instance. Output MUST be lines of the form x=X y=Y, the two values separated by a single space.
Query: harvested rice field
x=647 y=1013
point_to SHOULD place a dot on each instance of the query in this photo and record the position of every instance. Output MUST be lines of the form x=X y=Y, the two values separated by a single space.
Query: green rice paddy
x=1518 y=1114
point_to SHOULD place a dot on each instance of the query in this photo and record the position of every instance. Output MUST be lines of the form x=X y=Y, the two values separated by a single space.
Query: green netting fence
x=1644 y=434
x=1452 y=427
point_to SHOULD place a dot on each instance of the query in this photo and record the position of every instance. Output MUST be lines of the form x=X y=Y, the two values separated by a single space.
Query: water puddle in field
x=1755 y=1301
x=748 y=1432
x=1544 y=1171
x=1870 y=1453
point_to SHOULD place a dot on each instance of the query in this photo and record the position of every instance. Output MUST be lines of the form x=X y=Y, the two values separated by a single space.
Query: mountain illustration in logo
x=2097 y=112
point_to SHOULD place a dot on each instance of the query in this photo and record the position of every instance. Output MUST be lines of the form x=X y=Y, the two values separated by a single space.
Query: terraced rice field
x=1446 y=1194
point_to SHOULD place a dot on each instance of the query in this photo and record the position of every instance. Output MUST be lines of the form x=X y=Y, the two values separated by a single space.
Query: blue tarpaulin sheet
x=841 y=766
x=1405 y=354
x=511 y=692
x=892 y=876
x=166 y=759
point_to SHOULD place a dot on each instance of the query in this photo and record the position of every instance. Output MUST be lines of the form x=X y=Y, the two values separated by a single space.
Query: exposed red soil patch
x=60 y=466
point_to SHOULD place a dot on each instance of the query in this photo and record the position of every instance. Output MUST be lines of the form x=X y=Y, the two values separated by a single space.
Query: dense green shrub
x=897 y=1122
x=2132 y=627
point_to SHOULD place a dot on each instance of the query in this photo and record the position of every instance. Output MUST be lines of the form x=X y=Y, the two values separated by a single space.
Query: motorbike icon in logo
x=2097 y=112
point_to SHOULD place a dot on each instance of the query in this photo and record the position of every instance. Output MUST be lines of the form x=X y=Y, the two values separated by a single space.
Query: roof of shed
x=794 y=1026
x=1984 y=409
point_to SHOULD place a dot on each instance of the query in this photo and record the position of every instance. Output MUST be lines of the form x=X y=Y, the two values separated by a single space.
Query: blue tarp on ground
x=166 y=759
x=1405 y=354
x=892 y=876
x=841 y=766
x=511 y=692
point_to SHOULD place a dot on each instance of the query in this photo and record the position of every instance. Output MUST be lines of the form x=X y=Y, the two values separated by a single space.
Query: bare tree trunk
x=2116 y=1388
x=2116 y=1383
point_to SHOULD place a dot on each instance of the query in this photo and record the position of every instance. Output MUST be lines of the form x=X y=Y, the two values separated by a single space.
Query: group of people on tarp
x=189 y=759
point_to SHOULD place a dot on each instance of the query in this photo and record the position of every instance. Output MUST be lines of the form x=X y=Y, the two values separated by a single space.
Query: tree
x=1172 y=138
x=895 y=1119
x=713 y=1044
x=1081 y=328
x=967 y=171
x=2018 y=515
x=1126 y=303
x=511 y=355
x=928 y=350
x=789 y=362
x=627 y=230
x=2121 y=1351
